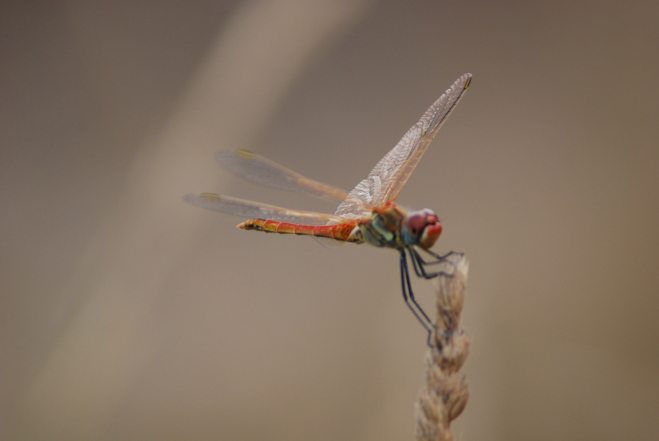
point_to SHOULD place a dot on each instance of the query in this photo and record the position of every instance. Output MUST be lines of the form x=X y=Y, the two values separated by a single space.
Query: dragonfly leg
x=419 y=263
x=410 y=301
x=438 y=258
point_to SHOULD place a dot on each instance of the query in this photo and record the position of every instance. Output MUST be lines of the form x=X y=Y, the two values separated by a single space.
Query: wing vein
x=385 y=182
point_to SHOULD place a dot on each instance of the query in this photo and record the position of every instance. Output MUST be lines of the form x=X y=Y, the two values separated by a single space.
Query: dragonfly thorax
x=390 y=226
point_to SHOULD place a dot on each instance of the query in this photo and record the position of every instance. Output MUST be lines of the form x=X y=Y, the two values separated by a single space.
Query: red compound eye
x=422 y=228
x=431 y=217
x=416 y=223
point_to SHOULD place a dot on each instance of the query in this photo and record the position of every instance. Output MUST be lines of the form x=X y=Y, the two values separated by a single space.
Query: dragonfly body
x=389 y=226
x=368 y=214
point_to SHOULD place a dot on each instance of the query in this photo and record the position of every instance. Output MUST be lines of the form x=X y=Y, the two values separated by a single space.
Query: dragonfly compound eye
x=422 y=228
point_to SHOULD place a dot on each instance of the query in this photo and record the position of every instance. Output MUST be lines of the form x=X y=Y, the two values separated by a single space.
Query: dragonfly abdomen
x=342 y=232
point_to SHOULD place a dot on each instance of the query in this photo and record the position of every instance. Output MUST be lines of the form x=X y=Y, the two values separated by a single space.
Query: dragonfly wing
x=328 y=243
x=262 y=171
x=390 y=175
x=255 y=210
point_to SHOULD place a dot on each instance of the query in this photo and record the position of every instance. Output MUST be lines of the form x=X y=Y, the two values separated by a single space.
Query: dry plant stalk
x=445 y=394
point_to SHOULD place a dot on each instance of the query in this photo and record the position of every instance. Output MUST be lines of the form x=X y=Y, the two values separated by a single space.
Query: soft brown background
x=127 y=314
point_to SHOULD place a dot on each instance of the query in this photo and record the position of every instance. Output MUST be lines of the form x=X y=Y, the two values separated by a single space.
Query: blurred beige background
x=127 y=314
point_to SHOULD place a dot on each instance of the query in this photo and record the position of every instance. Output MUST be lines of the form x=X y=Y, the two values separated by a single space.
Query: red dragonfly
x=367 y=214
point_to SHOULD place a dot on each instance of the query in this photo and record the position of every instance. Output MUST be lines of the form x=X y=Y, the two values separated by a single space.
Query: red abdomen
x=338 y=232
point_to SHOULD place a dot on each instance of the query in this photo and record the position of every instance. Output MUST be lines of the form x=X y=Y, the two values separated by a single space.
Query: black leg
x=410 y=301
x=438 y=258
x=419 y=263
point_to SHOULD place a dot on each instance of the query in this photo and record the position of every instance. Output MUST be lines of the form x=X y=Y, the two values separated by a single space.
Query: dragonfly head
x=422 y=228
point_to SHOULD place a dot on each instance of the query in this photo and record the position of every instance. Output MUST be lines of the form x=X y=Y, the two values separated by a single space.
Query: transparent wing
x=262 y=171
x=328 y=243
x=390 y=175
x=255 y=210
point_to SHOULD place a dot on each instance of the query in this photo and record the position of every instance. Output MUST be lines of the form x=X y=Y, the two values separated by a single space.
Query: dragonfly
x=367 y=214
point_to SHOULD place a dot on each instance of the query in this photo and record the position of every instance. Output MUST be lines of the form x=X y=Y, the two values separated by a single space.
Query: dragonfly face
x=422 y=228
